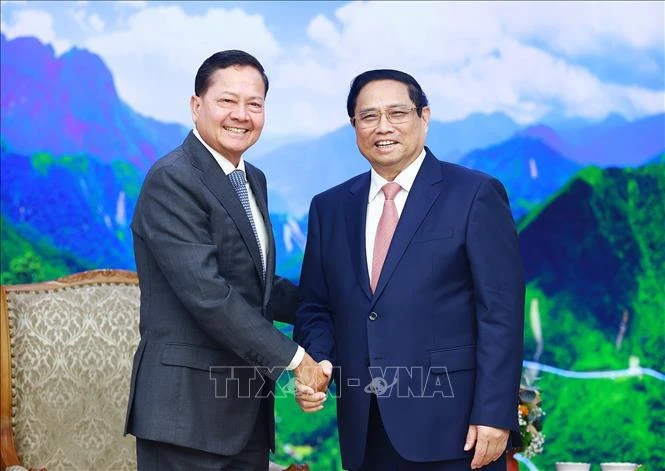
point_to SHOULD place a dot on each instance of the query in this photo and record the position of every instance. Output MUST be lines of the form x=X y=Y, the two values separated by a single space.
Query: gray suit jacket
x=206 y=312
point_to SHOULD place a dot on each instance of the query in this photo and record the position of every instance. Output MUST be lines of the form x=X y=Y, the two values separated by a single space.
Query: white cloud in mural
x=323 y=31
x=35 y=23
x=156 y=52
x=90 y=23
x=525 y=83
x=581 y=28
x=472 y=58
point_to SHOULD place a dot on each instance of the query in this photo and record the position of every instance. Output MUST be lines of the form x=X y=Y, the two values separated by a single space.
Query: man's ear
x=195 y=105
x=425 y=114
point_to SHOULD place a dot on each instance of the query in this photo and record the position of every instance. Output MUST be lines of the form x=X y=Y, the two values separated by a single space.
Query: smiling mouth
x=385 y=144
x=238 y=131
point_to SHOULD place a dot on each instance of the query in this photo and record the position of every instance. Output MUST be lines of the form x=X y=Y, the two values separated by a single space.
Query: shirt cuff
x=297 y=359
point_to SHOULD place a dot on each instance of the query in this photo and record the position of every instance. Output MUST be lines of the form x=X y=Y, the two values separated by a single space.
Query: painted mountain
x=595 y=267
x=575 y=249
x=530 y=170
x=76 y=203
x=614 y=142
x=72 y=157
x=68 y=105
x=532 y=163
x=333 y=158
x=24 y=261
x=90 y=151
x=451 y=140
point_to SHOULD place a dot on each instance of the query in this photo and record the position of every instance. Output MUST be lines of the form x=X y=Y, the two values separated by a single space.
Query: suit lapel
x=218 y=183
x=426 y=188
x=355 y=228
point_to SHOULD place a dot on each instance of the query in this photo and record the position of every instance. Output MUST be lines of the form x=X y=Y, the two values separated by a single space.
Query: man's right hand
x=311 y=396
x=309 y=373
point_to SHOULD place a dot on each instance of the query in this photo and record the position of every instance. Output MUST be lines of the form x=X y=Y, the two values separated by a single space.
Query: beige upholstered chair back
x=67 y=349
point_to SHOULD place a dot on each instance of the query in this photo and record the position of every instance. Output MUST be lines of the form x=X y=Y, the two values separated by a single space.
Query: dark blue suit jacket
x=441 y=338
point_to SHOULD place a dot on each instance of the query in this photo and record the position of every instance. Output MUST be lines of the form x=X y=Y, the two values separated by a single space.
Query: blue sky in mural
x=531 y=61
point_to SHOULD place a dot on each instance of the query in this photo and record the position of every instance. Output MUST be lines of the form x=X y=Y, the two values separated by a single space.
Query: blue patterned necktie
x=237 y=178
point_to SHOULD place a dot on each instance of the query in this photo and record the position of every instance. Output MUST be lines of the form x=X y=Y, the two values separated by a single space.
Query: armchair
x=66 y=351
x=66 y=357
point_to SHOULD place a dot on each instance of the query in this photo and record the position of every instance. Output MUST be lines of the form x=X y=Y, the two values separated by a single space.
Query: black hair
x=416 y=93
x=223 y=60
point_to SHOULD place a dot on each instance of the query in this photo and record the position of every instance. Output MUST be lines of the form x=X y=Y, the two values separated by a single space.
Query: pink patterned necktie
x=384 y=231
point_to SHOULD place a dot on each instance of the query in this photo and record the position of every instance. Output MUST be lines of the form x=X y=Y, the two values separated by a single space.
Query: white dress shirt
x=228 y=167
x=259 y=223
x=376 y=199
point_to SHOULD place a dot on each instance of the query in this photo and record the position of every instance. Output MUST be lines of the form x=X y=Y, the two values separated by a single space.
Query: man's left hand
x=490 y=444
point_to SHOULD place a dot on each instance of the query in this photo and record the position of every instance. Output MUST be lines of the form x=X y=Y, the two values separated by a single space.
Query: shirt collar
x=226 y=165
x=405 y=178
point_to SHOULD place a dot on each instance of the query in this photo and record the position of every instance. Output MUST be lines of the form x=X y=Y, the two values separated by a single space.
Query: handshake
x=312 y=379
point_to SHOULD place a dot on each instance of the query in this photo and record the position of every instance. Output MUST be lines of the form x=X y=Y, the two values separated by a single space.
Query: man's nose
x=384 y=125
x=239 y=112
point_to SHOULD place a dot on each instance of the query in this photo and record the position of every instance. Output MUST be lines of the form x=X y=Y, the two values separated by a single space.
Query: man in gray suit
x=209 y=354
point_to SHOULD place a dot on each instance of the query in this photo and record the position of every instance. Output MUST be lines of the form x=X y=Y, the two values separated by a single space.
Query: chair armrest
x=8 y=456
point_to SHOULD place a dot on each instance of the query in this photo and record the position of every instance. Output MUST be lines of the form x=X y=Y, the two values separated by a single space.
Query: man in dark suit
x=412 y=287
x=209 y=354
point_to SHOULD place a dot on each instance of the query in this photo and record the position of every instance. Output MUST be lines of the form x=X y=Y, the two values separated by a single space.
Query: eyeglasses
x=370 y=119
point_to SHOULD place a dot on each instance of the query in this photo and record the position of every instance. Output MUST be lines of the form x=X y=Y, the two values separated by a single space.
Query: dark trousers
x=158 y=456
x=380 y=455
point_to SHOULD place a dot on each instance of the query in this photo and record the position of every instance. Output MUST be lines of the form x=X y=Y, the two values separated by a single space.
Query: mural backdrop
x=563 y=102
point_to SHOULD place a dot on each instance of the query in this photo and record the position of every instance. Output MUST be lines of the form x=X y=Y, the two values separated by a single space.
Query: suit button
x=373 y=316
